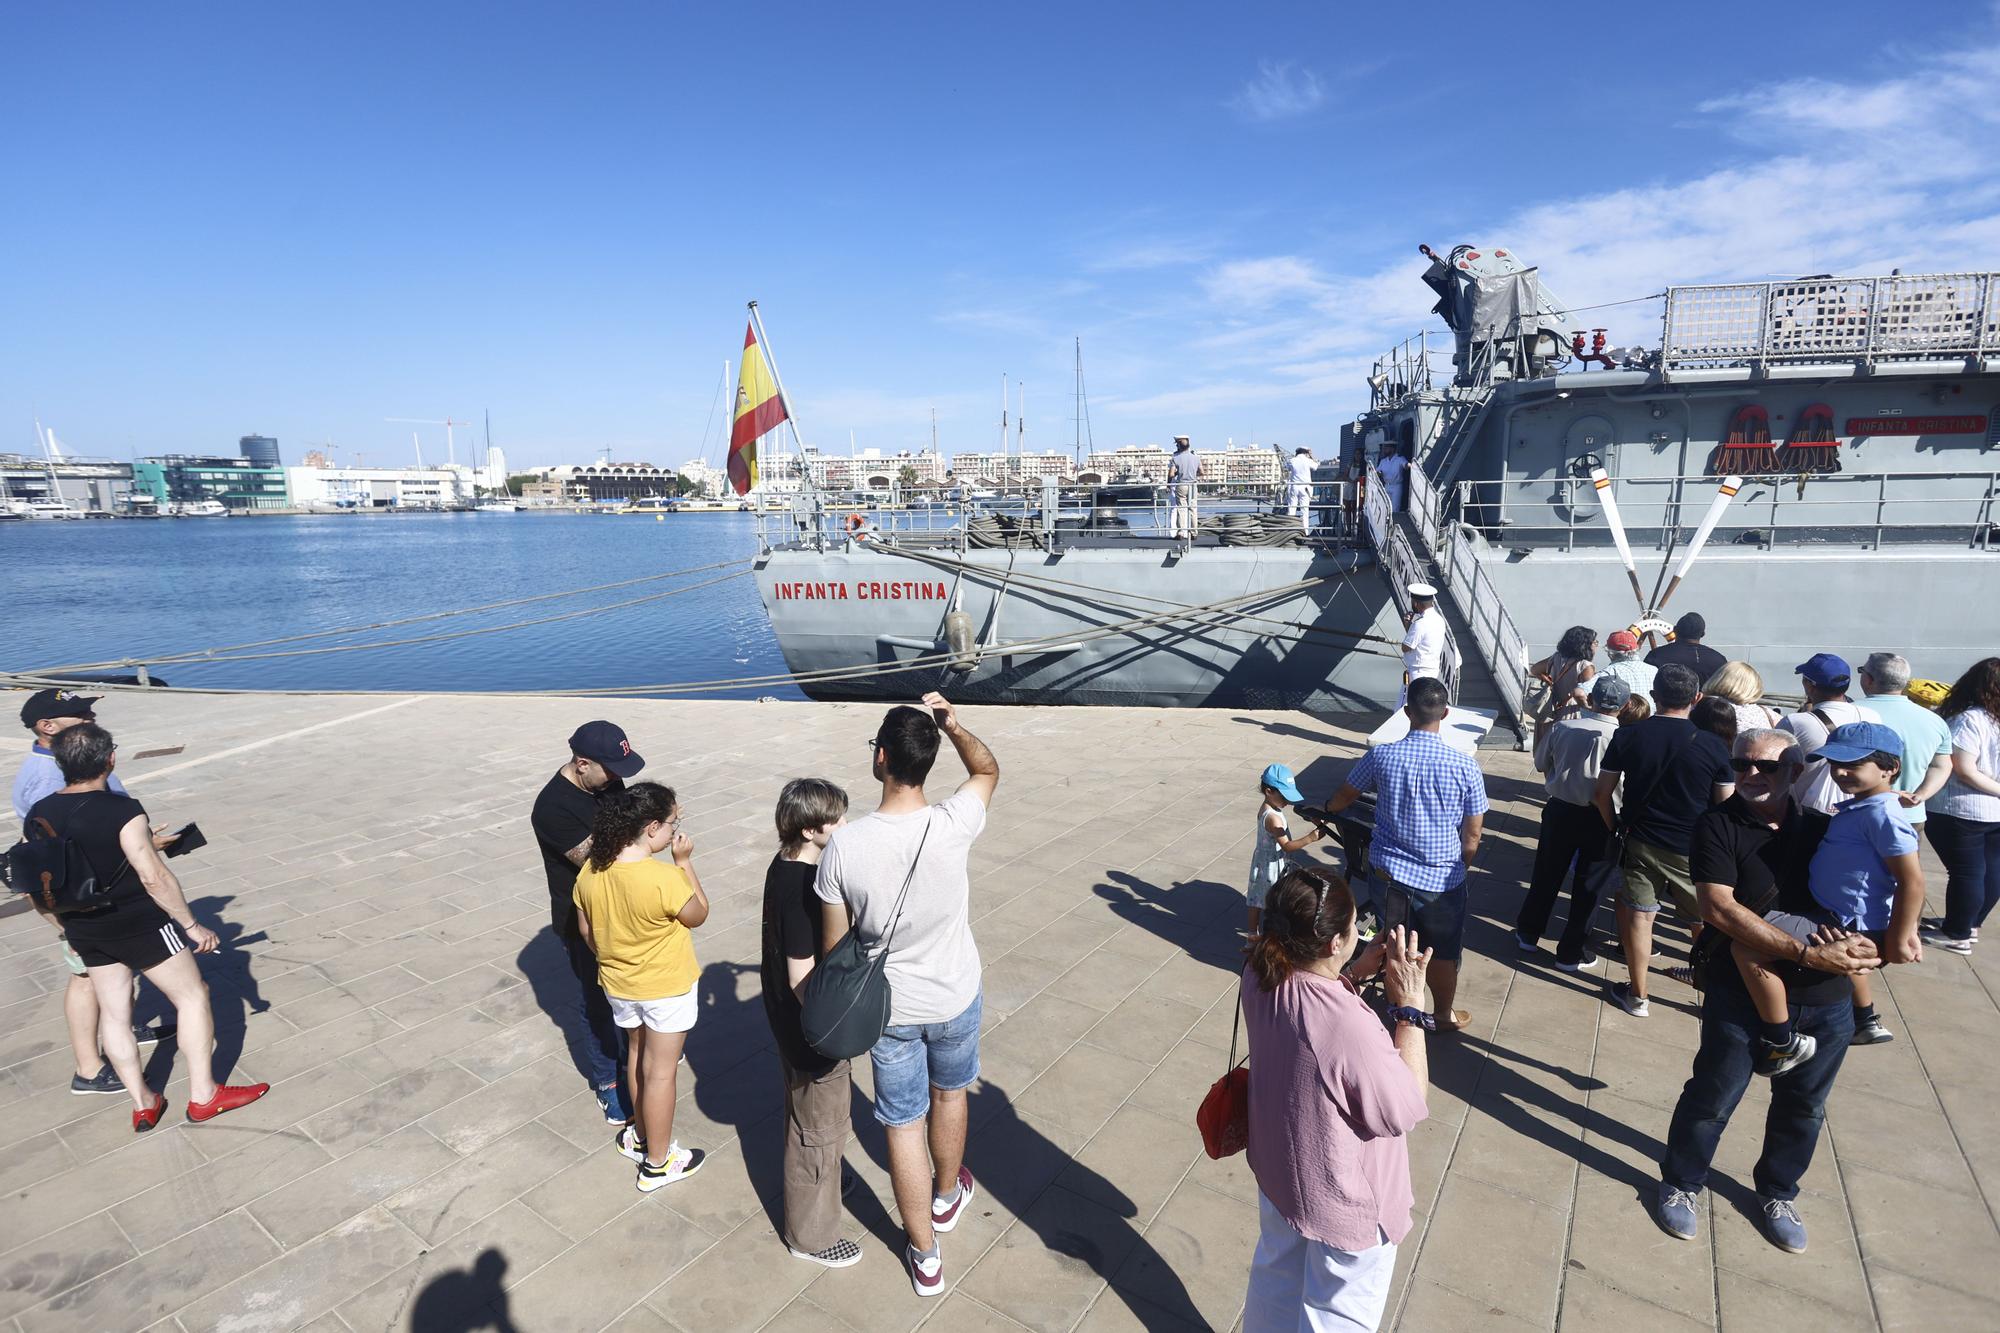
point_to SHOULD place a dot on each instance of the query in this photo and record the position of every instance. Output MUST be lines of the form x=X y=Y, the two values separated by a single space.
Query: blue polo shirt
x=1424 y=789
x=39 y=777
x=1925 y=737
x=1849 y=875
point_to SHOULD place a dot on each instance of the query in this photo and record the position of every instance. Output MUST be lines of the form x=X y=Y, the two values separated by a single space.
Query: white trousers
x=1301 y=1286
x=1298 y=503
x=1182 y=519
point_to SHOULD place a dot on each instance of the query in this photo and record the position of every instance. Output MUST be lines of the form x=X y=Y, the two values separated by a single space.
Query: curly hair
x=622 y=817
x=1303 y=912
x=1578 y=643
x=1979 y=687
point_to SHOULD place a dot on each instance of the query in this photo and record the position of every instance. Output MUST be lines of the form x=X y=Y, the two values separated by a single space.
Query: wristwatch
x=1404 y=1013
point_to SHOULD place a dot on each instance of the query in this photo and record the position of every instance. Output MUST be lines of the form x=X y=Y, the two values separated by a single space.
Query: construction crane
x=450 y=451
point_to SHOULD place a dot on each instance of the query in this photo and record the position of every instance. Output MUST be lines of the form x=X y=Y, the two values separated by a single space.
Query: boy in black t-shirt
x=816 y=1088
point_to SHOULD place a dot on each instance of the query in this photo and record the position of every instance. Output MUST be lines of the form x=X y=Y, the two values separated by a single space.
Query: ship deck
x=388 y=965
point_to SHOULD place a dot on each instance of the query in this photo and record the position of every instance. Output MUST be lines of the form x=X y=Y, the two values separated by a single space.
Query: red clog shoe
x=226 y=1098
x=146 y=1119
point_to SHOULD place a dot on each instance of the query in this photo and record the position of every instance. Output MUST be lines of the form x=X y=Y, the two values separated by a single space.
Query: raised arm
x=695 y=910
x=982 y=768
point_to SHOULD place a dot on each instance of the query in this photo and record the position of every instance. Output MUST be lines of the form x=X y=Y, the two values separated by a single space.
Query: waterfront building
x=260 y=450
x=613 y=481
x=709 y=482
x=873 y=470
x=97 y=484
x=1241 y=469
x=1129 y=462
x=176 y=479
x=378 y=487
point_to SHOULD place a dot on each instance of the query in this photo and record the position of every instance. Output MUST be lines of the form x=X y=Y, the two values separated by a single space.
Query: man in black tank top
x=143 y=925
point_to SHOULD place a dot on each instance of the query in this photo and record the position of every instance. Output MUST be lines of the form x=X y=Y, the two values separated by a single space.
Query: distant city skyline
x=313 y=223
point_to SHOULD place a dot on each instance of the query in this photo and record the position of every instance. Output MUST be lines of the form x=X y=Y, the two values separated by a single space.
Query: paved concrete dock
x=429 y=1157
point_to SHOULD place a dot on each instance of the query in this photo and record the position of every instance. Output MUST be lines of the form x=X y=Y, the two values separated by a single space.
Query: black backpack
x=845 y=1008
x=53 y=870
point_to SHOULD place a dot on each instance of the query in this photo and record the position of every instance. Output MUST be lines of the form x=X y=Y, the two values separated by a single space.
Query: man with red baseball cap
x=1622 y=647
x=600 y=760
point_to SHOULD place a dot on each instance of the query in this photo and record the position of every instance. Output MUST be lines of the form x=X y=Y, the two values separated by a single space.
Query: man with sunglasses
x=600 y=760
x=1750 y=854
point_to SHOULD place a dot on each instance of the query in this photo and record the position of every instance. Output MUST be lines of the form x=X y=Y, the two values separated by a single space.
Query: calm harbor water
x=103 y=590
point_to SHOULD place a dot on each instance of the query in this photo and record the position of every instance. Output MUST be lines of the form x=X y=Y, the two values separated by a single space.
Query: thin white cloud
x=1845 y=177
x=1279 y=92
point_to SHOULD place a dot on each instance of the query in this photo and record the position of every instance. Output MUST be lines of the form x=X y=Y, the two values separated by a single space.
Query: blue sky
x=304 y=220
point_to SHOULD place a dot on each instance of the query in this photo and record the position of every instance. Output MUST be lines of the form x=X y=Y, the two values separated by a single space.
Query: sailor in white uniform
x=1392 y=465
x=1299 y=487
x=1423 y=638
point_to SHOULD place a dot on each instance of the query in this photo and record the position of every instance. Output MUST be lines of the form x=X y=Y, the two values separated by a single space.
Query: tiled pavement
x=429 y=1155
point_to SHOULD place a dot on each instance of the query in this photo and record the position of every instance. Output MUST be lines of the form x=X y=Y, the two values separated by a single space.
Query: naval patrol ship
x=1811 y=463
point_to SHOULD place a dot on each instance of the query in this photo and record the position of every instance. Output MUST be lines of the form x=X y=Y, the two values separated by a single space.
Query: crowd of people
x=1786 y=842
x=897 y=876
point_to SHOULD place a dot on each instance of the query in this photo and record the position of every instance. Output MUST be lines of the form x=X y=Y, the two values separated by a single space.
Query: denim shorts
x=1438 y=918
x=911 y=1060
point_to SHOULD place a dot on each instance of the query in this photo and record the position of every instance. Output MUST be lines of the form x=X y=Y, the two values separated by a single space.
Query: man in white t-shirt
x=1825 y=678
x=1299 y=486
x=1423 y=638
x=1183 y=471
x=929 y=1055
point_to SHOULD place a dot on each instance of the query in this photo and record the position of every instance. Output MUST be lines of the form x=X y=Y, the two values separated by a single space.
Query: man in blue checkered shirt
x=1430 y=808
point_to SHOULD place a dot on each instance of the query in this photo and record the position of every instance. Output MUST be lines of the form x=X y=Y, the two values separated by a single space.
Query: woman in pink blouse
x=1332 y=1096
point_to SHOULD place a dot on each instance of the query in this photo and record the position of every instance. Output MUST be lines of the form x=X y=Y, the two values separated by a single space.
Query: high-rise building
x=260 y=451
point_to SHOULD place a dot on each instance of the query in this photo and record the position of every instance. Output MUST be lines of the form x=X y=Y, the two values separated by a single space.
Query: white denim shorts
x=676 y=1013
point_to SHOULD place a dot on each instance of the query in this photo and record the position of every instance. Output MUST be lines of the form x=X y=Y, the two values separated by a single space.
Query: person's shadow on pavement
x=1069 y=1208
x=465 y=1300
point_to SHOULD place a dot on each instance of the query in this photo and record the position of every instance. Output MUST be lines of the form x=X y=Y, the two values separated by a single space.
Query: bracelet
x=1404 y=1013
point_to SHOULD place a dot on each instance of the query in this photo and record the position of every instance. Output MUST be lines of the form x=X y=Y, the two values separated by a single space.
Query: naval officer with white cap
x=1423 y=638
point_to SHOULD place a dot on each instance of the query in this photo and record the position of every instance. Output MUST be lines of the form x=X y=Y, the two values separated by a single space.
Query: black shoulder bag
x=52 y=869
x=845 y=1007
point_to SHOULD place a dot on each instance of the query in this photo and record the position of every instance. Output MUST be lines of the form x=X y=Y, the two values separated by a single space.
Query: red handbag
x=1224 y=1115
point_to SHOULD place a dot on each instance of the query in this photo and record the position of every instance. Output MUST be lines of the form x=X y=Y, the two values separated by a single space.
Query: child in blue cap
x=1267 y=859
x=1865 y=876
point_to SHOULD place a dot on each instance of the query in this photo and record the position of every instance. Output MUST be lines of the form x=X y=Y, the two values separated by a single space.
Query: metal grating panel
x=1905 y=317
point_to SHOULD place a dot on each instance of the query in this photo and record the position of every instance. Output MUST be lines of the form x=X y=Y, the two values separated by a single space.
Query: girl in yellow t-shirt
x=635 y=914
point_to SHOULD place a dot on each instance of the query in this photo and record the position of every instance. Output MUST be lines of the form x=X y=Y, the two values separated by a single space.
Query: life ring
x=855 y=523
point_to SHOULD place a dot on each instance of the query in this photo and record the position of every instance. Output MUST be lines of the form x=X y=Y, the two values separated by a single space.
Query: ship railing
x=1904 y=317
x=1047 y=514
x=1401 y=372
x=1860 y=509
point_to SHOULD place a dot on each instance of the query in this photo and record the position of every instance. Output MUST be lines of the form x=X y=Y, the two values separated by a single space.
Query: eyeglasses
x=1319 y=894
x=1770 y=768
x=874 y=744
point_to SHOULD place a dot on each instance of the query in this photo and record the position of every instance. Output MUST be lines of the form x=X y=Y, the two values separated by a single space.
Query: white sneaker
x=680 y=1164
x=1622 y=996
x=629 y=1144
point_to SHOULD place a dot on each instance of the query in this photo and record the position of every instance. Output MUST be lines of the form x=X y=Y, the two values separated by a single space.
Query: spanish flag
x=759 y=409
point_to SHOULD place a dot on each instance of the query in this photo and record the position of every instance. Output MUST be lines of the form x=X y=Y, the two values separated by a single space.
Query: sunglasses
x=1770 y=768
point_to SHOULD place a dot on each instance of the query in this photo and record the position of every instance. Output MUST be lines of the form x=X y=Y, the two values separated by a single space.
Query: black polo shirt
x=1766 y=868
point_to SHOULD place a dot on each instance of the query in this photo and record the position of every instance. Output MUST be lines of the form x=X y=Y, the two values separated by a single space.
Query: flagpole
x=791 y=417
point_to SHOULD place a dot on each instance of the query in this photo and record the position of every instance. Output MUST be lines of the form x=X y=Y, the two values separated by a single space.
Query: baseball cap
x=1622 y=641
x=1853 y=741
x=1609 y=692
x=1825 y=670
x=45 y=704
x=1280 y=779
x=604 y=743
x=1691 y=626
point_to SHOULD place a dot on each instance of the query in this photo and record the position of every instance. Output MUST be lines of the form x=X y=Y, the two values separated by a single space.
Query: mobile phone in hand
x=187 y=840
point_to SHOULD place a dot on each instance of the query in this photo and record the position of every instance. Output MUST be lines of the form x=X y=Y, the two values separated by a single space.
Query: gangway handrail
x=1401 y=566
x=1494 y=634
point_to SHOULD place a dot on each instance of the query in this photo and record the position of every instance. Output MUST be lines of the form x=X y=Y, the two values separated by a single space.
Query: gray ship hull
x=838 y=608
